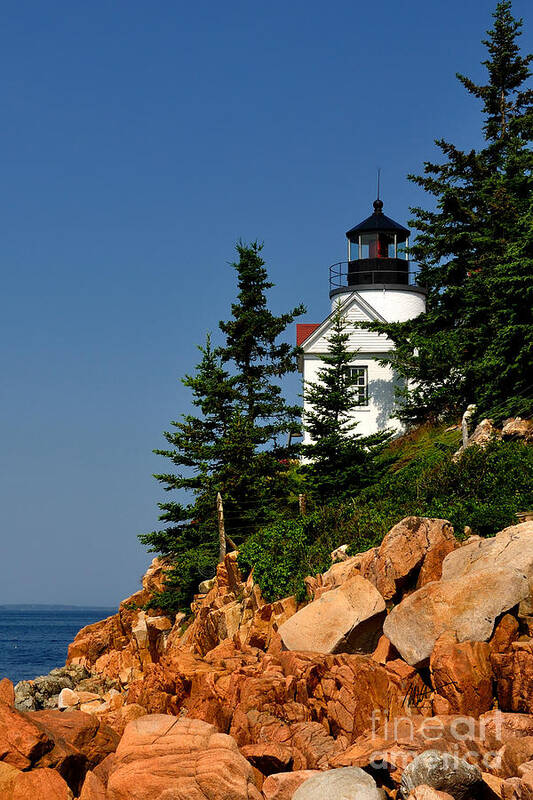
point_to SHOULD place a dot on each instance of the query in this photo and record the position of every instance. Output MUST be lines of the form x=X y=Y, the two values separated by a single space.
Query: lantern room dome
x=378 y=221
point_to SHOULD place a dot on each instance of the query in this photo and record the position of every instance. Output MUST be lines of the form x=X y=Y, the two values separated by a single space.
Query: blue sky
x=139 y=142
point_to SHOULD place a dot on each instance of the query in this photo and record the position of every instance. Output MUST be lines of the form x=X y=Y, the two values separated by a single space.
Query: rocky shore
x=408 y=673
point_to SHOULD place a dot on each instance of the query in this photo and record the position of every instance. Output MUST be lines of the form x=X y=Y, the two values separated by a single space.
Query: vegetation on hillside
x=483 y=489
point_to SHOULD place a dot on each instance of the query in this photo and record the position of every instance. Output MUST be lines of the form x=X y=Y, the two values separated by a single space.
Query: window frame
x=361 y=368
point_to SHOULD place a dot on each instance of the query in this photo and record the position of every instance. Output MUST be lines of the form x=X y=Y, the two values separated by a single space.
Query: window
x=377 y=245
x=359 y=375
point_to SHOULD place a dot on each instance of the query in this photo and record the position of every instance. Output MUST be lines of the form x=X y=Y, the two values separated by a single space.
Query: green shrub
x=285 y=552
x=483 y=489
x=182 y=578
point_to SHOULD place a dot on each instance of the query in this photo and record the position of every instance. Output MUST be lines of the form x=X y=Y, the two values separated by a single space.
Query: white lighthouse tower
x=375 y=283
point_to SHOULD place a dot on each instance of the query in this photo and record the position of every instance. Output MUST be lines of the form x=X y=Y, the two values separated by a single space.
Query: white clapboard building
x=375 y=283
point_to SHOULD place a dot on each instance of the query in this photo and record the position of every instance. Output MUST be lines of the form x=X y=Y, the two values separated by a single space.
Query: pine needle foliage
x=234 y=442
x=475 y=251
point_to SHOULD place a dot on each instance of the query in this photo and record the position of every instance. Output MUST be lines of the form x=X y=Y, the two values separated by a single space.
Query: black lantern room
x=378 y=250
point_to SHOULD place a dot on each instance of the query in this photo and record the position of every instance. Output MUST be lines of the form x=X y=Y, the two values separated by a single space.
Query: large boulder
x=467 y=605
x=493 y=786
x=514 y=677
x=484 y=434
x=93 y=788
x=21 y=742
x=499 y=727
x=342 y=571
x=83 y=731
x=121 y=717
x=81 y=741
x=512 y=755
x=106 y=647
x=505 y=633
x=461 y=672
x=105 y=768
x=67 y=698
x=511 y=548
x=161 y=756
x=7 y=778
x=444 y=772
x=411 y=553
x=39 y=783
x=313 y=746
x=344 y=620
x=349 y=783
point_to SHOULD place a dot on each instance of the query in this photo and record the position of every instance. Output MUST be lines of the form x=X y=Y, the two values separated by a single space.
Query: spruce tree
x=252 y=346
x=340 y=462
x=258 y=451
x=235 y=443
x=196 y=447
x=474 y=344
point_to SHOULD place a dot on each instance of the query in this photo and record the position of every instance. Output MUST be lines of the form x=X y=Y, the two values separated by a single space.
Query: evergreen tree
x=340 y=462
x=504 y=99
x=506 y=365
x=196 y=447
x=236 y=442
x=258 y=452
x=252 y=347
x=474 y=344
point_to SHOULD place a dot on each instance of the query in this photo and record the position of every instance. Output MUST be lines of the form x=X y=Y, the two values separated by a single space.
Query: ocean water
x=34 y=639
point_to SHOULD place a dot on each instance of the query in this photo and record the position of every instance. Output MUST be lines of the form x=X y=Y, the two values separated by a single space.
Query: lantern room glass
x=378 y=245
x=402 y=251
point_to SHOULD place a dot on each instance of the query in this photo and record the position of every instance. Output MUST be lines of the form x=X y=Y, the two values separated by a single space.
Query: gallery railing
x=343 y=274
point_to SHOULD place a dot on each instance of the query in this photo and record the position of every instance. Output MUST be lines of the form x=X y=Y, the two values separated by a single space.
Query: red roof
x=304 y=330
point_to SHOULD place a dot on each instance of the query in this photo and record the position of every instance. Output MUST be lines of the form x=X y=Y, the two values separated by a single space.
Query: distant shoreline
x=52 y=607
x=35 y=637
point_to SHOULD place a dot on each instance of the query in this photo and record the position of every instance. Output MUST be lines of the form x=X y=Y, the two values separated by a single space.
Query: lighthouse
x=375 y=283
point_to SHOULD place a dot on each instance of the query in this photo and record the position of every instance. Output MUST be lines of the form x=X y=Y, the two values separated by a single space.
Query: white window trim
x=363 y=406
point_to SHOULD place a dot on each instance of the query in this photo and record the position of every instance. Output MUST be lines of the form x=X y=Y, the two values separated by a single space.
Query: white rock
x=67 y=699
x=340 y=553
x=346 y=783
x=140 y=631
x=444 y=772
x=206 y=586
